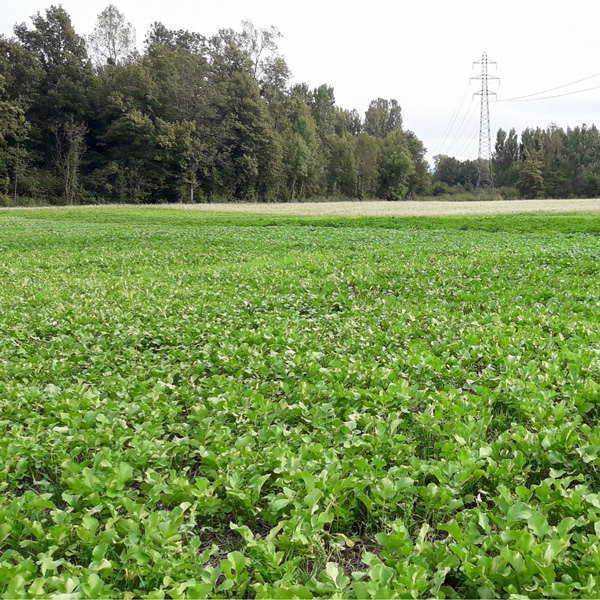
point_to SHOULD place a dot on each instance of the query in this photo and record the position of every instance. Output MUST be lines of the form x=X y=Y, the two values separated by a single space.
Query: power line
x=448 y=129
x=460 y=128
x=468 y=140
x=551 y=90
x=463 y=125
x=555 y=96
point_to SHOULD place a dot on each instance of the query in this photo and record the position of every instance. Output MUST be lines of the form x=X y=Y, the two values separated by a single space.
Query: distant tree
x=22 y=72
x=447 y=169
x=137 y=167
x=13 y=132
x=366 y=153
x=323 y=110
x=180 y=83
x=347 y=121
x=531 y=179
x=159 y=35
x=113 y=40
x=60 y=101
x=506 y=149
x=382 y=117
x=506 y=157
x=275 y=79
x=260 y=44
x=17 y=83
x=469 y=173
x=303 y=92
x=301 y=153
x=560 y=177
x=452 y=171
x=70 y=146
x=420 y=179
x=248 y=154
x=53 y=39
x=342 y=172
x=396 y=167
x=532 y=140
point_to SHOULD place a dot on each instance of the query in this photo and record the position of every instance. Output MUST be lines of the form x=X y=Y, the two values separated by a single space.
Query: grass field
x=199 y=405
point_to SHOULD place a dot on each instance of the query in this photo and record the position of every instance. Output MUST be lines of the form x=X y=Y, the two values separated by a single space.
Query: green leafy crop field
x=222 y=406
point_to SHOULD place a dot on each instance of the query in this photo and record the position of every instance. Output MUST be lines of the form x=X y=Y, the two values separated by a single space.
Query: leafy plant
x=212 y=407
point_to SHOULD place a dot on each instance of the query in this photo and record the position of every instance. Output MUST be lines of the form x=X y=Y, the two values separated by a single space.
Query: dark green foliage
x=506 y=157
x=302 y=159
x=382 y=118
x=566 y=164
x=420 y=178
x=570 y=159
x=530 y=182
x=396 y=168
x=193 y=118
x=13 y=132
x=247 y=154
x=367 y=153
x=50 y=78
x=347 y=121
x=452 y=171
x=159 y=36
x=342 y=166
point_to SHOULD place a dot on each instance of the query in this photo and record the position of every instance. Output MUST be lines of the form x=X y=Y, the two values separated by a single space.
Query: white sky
x=419 y=52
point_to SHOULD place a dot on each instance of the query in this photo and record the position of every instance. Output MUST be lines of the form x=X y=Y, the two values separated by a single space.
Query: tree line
x=190 y=118
x=542 y=163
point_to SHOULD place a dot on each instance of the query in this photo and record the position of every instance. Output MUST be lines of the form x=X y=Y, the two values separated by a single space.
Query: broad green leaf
x=518 y=512
x=538 y=523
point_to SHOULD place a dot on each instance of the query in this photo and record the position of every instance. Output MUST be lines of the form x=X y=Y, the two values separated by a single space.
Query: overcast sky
x=419 y=52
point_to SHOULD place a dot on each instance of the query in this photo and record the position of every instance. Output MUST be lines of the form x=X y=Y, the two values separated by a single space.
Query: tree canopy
x=551 y=162
x=201 y=118
x=190 y=118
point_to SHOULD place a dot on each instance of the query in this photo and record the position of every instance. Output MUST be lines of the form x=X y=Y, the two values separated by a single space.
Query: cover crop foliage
x=225 y=406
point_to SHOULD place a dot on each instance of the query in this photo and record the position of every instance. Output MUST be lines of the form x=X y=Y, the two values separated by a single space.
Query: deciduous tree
x=366 y=152
x=113 y=40
x=531 y=179
x=383 y=117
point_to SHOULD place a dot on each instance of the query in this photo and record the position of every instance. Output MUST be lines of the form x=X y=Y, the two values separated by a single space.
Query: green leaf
x=538 y=523
x=90 y=523
x=312 y=498
x=366 y=501
x=238 y=560
x=518 y=512
x=453 y=529
x=279 y=504
x=124 y=472
x=5 y=530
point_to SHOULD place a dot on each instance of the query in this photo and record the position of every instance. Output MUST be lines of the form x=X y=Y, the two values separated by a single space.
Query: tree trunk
x=16 y=174
x=69 y=150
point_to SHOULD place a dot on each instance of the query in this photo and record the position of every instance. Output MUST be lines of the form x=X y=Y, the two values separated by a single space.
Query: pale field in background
x=369 y=208
x=403 y=209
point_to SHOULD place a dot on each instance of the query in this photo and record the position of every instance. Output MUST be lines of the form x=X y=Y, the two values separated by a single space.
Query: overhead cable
x=529 y=96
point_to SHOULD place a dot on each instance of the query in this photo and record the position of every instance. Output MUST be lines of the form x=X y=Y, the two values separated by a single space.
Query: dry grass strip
x=404 y=209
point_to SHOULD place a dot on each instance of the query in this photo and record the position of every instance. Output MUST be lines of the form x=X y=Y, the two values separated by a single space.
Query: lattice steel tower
x=485 y=177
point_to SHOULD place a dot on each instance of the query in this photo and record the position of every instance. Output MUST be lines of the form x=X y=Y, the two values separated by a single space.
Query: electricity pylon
x=485 y=177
